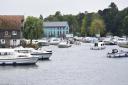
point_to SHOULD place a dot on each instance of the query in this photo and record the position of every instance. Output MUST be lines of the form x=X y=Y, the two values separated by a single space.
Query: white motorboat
x=117 y=54
x=122 y=41
x=90 y=39
x=10 y=57
x=44 y=42
x=98 y=46
x=109 y=41
x=54 y=41
x=64 y=44
x=42 y=54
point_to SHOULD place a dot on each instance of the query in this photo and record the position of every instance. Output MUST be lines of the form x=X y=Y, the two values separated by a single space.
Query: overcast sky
x=47 y=7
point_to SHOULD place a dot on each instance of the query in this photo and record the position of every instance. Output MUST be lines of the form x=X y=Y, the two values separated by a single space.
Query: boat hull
x=19 y=61
x=97 y=48
x=117 y=55
x=42 y=55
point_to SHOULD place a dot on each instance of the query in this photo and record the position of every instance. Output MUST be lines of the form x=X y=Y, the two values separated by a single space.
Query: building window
x=6 y=32
x=14 y=32
x=2 y=41
x=67 y=32
x=64 y=32
x=14 y=42
x=63 y=28
x=54 y=33
x=58 y=33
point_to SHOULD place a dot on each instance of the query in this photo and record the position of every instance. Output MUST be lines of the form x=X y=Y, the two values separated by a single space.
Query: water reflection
x=13 y=67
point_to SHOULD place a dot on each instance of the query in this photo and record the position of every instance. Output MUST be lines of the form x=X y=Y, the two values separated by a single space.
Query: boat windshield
x=23 y=51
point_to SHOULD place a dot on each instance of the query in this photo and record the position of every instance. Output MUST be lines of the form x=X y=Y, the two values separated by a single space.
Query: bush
x=35 y=46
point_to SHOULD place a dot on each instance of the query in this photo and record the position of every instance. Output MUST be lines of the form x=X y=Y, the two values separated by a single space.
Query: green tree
x=32 y=28
x=83 y=27
x=109 y=14
x=97 y=27
x=125 y=25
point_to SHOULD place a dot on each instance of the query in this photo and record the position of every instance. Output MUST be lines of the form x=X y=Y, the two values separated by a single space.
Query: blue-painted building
x=55 y=29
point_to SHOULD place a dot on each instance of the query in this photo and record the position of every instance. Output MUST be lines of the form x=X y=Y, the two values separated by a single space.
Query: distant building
x=10 y=30
x=55 y=29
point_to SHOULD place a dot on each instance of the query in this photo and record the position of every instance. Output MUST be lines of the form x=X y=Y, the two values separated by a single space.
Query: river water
x=77 y=65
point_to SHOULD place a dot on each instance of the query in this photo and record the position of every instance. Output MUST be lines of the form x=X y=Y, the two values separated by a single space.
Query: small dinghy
x=117 y=54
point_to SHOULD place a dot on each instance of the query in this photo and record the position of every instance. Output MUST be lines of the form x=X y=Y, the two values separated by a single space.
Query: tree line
x=107 y=21
x=104 y=22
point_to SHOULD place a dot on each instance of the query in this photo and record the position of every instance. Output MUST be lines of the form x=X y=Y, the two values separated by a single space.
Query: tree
x=125 y=25
x=32 y=28
x=109 y=14
x=41 y=17
x=97 y=27
x=83 y=27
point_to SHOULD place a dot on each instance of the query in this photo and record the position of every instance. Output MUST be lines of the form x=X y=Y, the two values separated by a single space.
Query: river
x=77 y=65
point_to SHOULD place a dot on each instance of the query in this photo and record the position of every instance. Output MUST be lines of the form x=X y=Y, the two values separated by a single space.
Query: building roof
x=55 y=24
x=11 y=21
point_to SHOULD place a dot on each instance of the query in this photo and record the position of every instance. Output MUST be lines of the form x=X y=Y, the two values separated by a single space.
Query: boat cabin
x=99 y=44
x=5 y=52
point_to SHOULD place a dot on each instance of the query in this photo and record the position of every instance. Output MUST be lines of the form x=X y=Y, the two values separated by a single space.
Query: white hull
x=64 y=44
x=97 y=48
x=45 y=44
x=30 y=60
x=43 y=55
x=117 y=55
x=54 y=41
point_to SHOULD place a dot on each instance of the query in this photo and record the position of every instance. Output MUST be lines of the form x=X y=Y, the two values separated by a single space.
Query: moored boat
x=117 y=54
x=10 y=57
x=42 y=54
x=54 y=41
x=43 y=42
x=98 y=46
x=109 y=41
x=64 y=44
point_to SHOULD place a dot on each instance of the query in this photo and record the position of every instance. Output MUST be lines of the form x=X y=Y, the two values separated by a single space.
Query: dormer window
x=6 y=32
x=14 y=32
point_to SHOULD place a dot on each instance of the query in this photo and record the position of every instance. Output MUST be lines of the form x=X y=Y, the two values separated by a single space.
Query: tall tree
x=32 y=28
x=97 y=27
x=41 y=17
x=125 y=25
x=83 y=27
x=109 y=15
